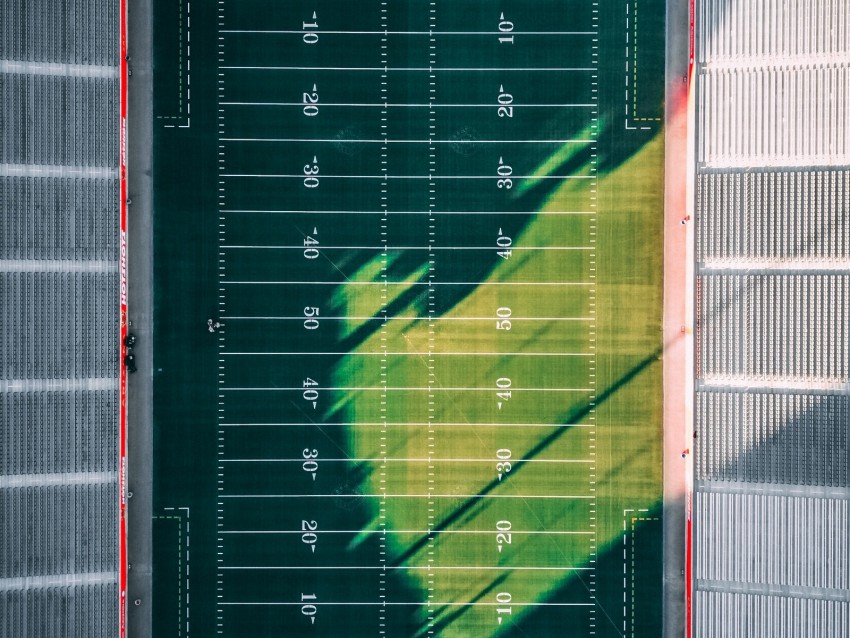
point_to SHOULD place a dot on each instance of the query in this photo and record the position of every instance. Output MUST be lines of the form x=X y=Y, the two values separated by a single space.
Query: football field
x=408 y=277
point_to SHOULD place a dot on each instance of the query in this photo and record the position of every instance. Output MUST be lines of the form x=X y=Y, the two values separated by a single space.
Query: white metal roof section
x=774 y=83
x=58 y=318
x=53 y=68
x=772 y=342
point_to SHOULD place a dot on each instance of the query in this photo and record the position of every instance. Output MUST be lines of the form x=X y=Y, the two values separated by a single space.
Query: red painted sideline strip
x=122 y=369
x=688 y=572
x=689 y=524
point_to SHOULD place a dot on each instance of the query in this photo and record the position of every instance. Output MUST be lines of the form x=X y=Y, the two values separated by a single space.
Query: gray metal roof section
x=58 y=318
x=771 y=544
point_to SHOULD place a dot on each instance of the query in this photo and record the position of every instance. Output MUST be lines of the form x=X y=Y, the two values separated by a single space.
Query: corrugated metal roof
x=772 y=354
x=58 y=318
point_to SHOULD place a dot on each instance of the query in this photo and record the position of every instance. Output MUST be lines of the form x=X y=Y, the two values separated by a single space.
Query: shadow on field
x=574 y=416
x=643 y=543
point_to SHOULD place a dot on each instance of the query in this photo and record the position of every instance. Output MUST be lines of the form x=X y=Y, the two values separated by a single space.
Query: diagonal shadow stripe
x=574 y=416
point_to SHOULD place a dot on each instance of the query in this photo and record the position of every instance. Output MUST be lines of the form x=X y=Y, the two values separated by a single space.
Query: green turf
x=431 y=438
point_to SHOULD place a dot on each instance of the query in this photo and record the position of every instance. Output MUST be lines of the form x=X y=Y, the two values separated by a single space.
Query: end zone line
x=396 y=318
x=400 y=460
x=411 y=425
x=418 y=69
x=323 y=248
x=399 y=389
x=412 y=531
x=384 y=178
x=401 y=567
x=386 y=33
x=560 y=497
x=434 y=105
x=400 y=212
x=413 y=604
x=408 y=283
x=391 y=141
x=408 y=354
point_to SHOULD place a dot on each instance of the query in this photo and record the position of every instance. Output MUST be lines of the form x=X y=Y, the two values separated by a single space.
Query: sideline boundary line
x=122 y=333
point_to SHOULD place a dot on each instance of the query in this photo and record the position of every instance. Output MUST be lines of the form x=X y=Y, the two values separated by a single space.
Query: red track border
x=122 y=302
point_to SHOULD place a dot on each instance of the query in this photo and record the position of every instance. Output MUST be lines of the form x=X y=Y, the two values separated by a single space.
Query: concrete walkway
x=140 y=313
x=677 y=320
